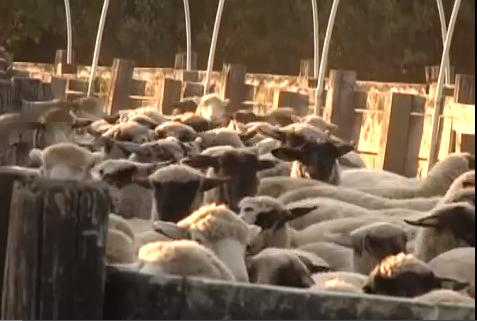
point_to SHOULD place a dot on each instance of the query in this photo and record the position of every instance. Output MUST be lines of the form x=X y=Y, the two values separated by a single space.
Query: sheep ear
x=343 y=149
x=171 y=230
x=209 y=183
x=122 y=176
x=316 y=268
x=275 y=133
x=112 y=119
x=265 y=164
x=287 y=154
x=452 y=284
x=244 y=137
x=253 y=232
x=430 y=221
x=300 y=211
x=201 y=161
x=143 y=182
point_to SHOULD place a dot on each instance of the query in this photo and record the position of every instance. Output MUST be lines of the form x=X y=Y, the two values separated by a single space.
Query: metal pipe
x=442 y=19
x=213 y=44
x=97 y=46
x=324 y=56
x=188 y=35
x=316 y=39
x=439 y=100
x=69 y=33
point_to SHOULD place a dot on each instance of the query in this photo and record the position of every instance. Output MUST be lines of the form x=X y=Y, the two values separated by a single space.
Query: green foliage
x=387 y=40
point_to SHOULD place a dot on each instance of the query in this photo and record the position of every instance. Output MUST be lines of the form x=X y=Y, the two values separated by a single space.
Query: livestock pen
x=53 y=239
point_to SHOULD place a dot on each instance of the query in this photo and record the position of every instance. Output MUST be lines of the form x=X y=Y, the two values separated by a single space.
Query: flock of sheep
x=272 y=199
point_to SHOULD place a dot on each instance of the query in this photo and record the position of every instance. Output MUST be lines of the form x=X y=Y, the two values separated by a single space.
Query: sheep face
x=281 y=269
x=176 y=190
x=266 y=213
x=239 y=167
x=405 y=276
x=457 y=218
x=315 y=160
x=66 y=161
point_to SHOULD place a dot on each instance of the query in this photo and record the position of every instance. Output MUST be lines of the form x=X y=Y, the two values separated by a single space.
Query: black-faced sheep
x=282 y=269
x=177 y=191
x=238 y=166
x=315 y=160
x=222 y=231
x=184 y=258
x=446 y=227
x=403 y=275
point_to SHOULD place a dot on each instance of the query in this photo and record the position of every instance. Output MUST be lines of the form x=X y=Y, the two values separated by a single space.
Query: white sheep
x=120 y=248
x=130 y=131
x=184 y=258
x=446 y=227
x=178 y=130
x=338 y=257
x=436 y=183
x=211 y=106
x=354 y=279
x=357 y=197
x=222 y=231
x=276 y=186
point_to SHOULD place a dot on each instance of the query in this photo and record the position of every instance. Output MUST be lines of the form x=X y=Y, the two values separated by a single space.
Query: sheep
x=117 y=222
x=368 y=177
x=458 y=263
x=185 y=258
x=436 y=183
x=196 y=122
x=356 y=197
x=276 y=186
x=211 y=106
x=338 y=257
x=131 y=132
x=446 y=227
x=145 y=121
x=463 y=195
x=372 y=243
x=178 y=130
x=354 y=279
x=404 y=275
x=444 y=296
x=337 y=285
x=282 y=269
x=148 y=111
x=220 y=137
x=120 y=248
x=238 y=166
x=282 y=116
x=185 y=105
x=129 y=199
x=331 y=209
x=66 y=161
x=312 y=262
x=219 y=229
x=176 y=191
x=464 y=181
x=315 y=160
x=319 y=123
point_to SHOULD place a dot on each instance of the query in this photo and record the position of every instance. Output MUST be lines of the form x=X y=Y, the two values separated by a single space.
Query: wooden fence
x=390 y=121
x=52 y=245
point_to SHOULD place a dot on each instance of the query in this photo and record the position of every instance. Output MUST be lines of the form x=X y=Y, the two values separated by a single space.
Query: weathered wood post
x=232 y=81
x=339 y=107
x=285 y=98
x=8 y=175
x=118 y=94
x=464 y=92
x=55 y=256
x=395 y=142
x=5 y=106
x=168 y=90
x=180 y=61
x=61 y=65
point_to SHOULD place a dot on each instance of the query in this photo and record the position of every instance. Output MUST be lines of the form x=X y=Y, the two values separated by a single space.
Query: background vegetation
x=386 y=40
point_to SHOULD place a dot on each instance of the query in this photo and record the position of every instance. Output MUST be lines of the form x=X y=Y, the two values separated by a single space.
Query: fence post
x=119 y=87
x=55 y=256
x=339 y=106
x=168 y=91
x=232 y=81
x=180 y=61
x=61 y=65
x=394 y=135
x=297 y=101
x=464 y=92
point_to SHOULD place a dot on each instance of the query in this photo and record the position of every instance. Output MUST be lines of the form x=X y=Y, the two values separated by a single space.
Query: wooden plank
x=463 y=118
x=232 y=80
x=464 y=92
x=118 y=94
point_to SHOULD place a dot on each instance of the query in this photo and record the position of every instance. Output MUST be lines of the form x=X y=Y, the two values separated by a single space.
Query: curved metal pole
x=324 y=56
x=442 y=19
x=97 y=46
x=213 y=44
x=188 y=35
x=316 y=39
x=439 y=100
x=69 y=33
